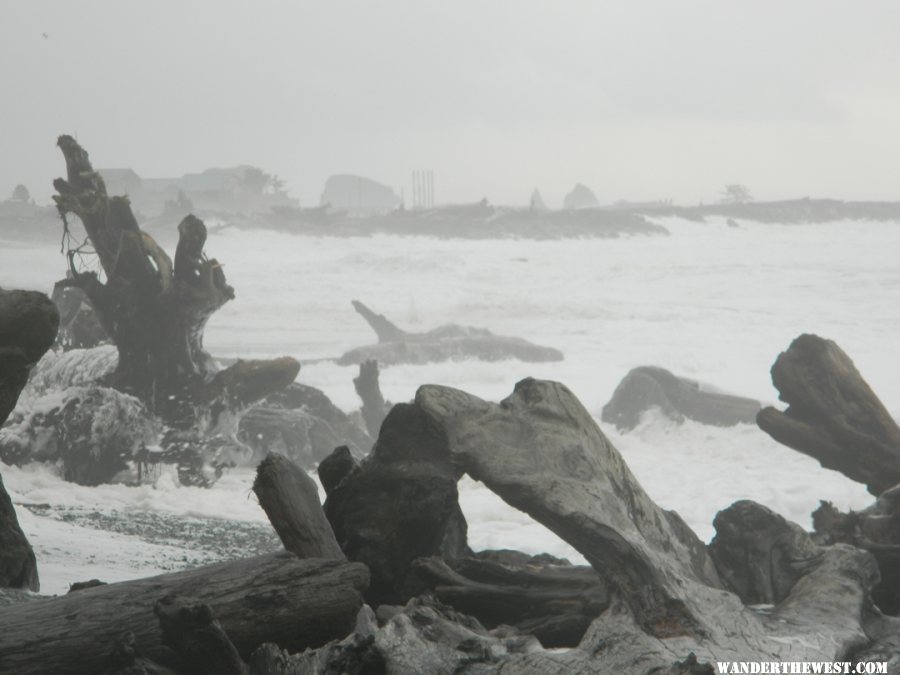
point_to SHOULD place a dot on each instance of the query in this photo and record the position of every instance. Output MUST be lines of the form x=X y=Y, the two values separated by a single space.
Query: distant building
x=240 y=189
x=359 y=195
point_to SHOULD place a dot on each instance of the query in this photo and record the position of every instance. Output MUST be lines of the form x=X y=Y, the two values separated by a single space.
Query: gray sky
x=637 y=99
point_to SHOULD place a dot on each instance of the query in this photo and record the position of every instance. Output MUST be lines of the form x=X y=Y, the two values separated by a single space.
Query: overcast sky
x=637 y=99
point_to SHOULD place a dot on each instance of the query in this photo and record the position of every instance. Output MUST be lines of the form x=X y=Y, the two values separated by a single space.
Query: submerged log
x=290 y=499
x=275 y=598
x=28 y=325
x=450 y=342
x=541 y=452
x=677 y=398
x=833 y=415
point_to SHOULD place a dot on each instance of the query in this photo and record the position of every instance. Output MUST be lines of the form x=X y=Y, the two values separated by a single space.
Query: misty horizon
x=641 y=102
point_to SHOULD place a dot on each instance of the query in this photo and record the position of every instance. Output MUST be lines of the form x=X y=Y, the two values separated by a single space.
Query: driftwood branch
x=290 y=499
x=833 y=415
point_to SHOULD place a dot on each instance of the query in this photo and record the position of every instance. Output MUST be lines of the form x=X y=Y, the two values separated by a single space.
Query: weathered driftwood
x=555 y=603
x=79 y=327
x=833 y=415
x=875 y=529
x=541 y=452
x=677 y=398
x=290 y=499
x=28 y=324
x=399 y=504
x=374 y=407
x=275 y=598
x=155 y=310
x=445 y=343
x=424 y=636
x=199 y=640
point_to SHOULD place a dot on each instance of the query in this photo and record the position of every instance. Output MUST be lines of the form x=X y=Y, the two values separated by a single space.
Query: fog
x=640 y=100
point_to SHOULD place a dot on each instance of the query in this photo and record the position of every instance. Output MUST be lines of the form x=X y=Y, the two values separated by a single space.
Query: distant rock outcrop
x=677 y=397
x=357 y=193
x=536 y=203
x=449 y=342
x=581 y=197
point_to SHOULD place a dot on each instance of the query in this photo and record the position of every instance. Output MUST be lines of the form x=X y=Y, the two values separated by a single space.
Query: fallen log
x=450 y=342
x=833 y=415
x=678 y=398
x=275 y=598
x=555 y=603
x=290 y=499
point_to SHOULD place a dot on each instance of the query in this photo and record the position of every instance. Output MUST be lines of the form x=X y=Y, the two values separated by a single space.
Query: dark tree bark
x=833 y=415
x=290 y=499
x=156 y=311
x=276 y=598
x=28 y=325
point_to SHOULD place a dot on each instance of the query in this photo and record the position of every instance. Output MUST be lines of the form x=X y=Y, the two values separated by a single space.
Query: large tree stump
x=276 y=598
x=154 y=310
x=833 y=415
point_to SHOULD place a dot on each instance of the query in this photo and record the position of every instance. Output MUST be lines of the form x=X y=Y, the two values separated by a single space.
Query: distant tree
x=21 y=194
x=736 y=194
x=275 y=184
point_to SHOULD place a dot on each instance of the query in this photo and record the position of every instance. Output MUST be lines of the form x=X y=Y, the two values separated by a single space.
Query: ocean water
x=710 y=302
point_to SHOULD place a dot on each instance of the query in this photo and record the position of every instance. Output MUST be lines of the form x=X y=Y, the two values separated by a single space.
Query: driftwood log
x=155 y=310
x=833 y=415
x=875 y=529
x=450 y=342
x=28 y=325
x=290 y=499
x=276 y=598
x=198 y=639
x=374 y=407
x=541 y=452
x=678 y=398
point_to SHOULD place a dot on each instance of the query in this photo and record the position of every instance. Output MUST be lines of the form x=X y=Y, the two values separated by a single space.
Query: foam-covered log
x=677 y=397
x=290 y=499
x=833 y=415
x=275 y=598
x=555 y=603
x=541 y=452
x=28 y=326
x=199 y=640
